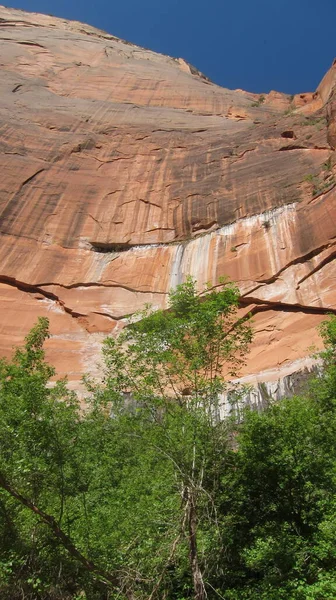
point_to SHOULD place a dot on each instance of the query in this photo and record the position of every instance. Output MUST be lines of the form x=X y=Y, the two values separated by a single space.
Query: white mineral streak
x=195 y=259
x=176 y=277
x=259 y=390
x=215 y=259
x=192 y=257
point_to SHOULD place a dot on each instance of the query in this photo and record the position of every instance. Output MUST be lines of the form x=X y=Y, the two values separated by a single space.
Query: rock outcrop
x=123 y=170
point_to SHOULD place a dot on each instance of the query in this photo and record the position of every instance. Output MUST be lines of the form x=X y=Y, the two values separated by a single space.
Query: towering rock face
x=123 y=170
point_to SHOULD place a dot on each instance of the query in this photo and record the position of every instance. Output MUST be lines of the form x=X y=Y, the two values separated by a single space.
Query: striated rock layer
x=123 y=170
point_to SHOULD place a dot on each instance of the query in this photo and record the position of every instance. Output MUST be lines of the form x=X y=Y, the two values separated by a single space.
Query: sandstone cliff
x=123 y=170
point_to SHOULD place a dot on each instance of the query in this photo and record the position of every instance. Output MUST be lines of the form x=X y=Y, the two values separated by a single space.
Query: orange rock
x=123 y=171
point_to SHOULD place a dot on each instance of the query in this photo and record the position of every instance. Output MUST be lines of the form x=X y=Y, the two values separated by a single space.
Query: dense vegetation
x=143 y=492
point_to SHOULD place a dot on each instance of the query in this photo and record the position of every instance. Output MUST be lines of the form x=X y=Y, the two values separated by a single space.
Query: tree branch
x=51 y=522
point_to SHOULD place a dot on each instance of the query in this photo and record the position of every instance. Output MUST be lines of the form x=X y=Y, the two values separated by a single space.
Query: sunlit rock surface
x=123 y=171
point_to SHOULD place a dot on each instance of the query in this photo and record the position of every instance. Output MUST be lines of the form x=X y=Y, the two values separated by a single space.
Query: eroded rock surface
x=123 y=170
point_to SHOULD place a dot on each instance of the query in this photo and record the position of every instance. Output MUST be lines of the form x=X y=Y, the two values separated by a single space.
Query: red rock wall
x=124 y=170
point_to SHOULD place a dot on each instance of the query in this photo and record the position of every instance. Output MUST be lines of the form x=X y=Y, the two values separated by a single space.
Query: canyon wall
x=123 y=171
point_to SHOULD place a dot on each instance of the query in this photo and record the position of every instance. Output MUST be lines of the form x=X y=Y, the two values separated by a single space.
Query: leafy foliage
x=171 y=363
x=284 y=492
x=143 y=492
x=182 y=351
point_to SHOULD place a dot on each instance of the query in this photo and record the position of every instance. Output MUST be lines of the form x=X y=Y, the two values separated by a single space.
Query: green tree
x=42 y=468
x=280 y=498
x=121 y=497
x=170 y=364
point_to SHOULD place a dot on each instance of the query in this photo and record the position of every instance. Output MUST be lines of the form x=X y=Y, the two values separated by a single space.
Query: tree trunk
x=199 y=589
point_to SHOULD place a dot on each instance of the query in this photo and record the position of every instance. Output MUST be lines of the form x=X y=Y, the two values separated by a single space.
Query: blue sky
x=257 y=45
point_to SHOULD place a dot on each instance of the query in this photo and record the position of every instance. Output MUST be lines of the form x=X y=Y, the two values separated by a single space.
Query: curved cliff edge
x=124 y=170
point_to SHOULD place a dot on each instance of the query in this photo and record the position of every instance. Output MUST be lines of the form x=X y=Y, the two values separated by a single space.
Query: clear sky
x=257 y=45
